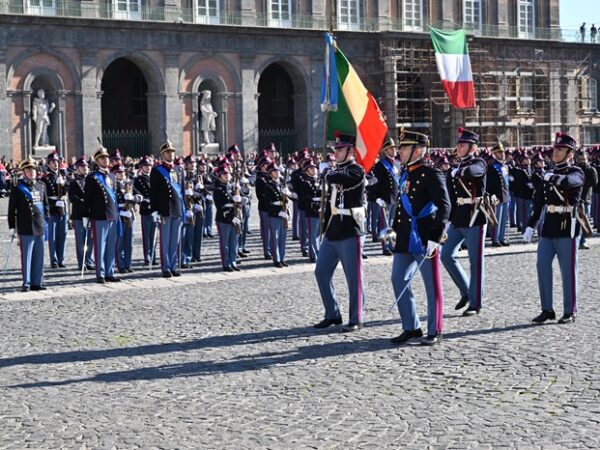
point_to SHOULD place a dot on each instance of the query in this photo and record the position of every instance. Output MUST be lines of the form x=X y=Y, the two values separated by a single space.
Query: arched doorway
x=277 y=109
x=125 y=109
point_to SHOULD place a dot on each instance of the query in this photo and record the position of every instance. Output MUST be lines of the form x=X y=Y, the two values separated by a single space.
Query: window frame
x=348 y=24
x=207 y=18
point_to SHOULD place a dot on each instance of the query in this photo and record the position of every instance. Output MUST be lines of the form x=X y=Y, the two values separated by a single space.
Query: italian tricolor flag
x=453 y=63
x=350 y=107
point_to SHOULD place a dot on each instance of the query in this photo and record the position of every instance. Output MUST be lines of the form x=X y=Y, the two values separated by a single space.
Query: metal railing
x=175 y=14
x=134 y=143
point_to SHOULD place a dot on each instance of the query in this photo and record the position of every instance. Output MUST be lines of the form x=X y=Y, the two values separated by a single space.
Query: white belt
x=341 y=212
x=467 y=200
x=276 y=203
x=53 y=198
x=228 y=205
x=558 y=209
x=316 y=199
x=121 y=205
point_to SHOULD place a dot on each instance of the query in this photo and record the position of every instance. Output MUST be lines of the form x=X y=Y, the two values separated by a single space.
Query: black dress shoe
x=268 y=257
x=167 y=274
x=284 y=264
x=245 y=252
x=364 y=256
x=236 y=268
x=431 y=339
x=505 y=243
x=122 y=271
x=351 y=327
x=584 y=246
x=227 y=269
x=175 y=273
x=328 y=322
x=304 y=253
x=462 y=302
x=185 y=266
x=54 y=265
x=496 y=244
x=147 y=264
x=470 y=312
x=26 y=289
x=295 y=238
x=113 y=279
x=209 y=235
x=375 y=239
x=100 y=280
x=387 y=252
x=567 y=318
x=278 y=265
x=39 y=288
x=545 y=315
x=61 y=266
x=313 y=260
x=129 y=270
x=407 y=336
x=89 y=267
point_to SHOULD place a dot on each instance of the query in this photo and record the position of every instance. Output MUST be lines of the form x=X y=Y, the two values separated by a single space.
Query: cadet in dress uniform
x=227 y=221
x=28 y=211
x=57 y=224
x=591 y=181
x=127 y=200
x=149 y=226
x=262 y=178
x=101 y=201
x=421 y=214
x=523 y=189
x=246 y=194
x=189 y=222
x=345 y=220
x=498 y=187
x=200 y=202
x=276 y=197
x=168 y=207
x=80 y=216
x=310 y=199
x=386 y=189
x=558 y=200
x=466 y=187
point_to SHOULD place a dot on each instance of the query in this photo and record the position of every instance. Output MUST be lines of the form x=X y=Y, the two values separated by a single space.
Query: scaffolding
x=525 y=92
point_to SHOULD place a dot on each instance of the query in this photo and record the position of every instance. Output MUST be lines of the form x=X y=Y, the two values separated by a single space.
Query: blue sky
x=574 y=12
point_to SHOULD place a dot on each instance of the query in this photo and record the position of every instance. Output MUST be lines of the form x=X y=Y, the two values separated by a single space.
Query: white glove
x=138 y=198
x=85 y=221
x=197 y=208
x=12 y=232
x=371 y=181
x=432 y=246
x=494 y=199
x=547 y=176
x=125 y=213
x=294 y=196
x=59 y=204
x=283 y=215
x=128 y=197
x=189 y=214
x=145 y=200
x=245 y=200
x=209 y=197
x=236 y=221
x=244 y=180
x=199 y=186
x=380 y=202
x=189 y=192
x=511 y=178
x=237 y=199
x=453 y=172
x=286 y=191
x=528 y=235
x=156 y=216
x=60 y=181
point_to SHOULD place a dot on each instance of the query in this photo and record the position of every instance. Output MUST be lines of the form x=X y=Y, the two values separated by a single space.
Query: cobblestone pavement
x=214 y=360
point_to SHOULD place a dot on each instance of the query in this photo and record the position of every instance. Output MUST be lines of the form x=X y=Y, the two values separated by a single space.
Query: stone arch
x=152 y=72
x=231 y=71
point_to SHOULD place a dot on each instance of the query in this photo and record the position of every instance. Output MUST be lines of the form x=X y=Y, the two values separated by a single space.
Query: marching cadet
x=246 y=194
x=189 y=223
x=207 y=180
x=523 y=189
x=276 y=197
x=420 y=218
x=262 y=177
x=80 y=216
x=149 y=226
x=168 y=207
x=559 y=198
x=200 y=194
x=28 y=211
x=468 y=220
x=57 y=223
x=344 y=219
x=591 y=180
x=498 y=188
x=298 y=232
x=228 y=223
x=386 y=190
x=127 y=200
x=310 y=199
x=101 y=201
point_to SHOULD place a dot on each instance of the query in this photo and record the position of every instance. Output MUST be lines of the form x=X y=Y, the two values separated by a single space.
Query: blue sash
x=178 y=187
x=113 y=196
x=38 y=205
x=415 y=245
x=390 y=169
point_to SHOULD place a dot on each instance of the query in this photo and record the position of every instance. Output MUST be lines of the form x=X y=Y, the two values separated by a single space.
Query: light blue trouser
x=149 y=227
x=499 y=232
x=278 y=238
x=296 y=221
x=302 y=231
x=524 y=207
x=125 y=246
x=32 y=259
x=104 y=235
x=475 y=239
x=198 y=235
x=228 y=244
x=567 y=252
x=208 y=218
x=83 y=238
x=312 y=227
x=187 y=242
x=378 y=222
x=245 y=224
x=265 y=233
x=349 y=252
x=403 y=268
x=57 y=237
x=170 y=233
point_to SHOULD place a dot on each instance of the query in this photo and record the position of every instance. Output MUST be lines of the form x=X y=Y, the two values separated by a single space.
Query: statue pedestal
x=41 y=151
x=210 y=149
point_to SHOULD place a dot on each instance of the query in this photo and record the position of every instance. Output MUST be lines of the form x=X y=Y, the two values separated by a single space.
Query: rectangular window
x=412 y=15
x=526 y=18
x=348 y=14
x=128 y=9
x=41 y=7
x=472 y=15
x=588 y=94
x=280 y=13
x=206 y=11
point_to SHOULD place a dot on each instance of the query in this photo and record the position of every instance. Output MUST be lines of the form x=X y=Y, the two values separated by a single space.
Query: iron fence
x=134 y=143
x=283 y=138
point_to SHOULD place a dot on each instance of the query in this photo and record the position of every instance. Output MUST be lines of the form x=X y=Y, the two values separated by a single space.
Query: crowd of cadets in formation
x=181 y=199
